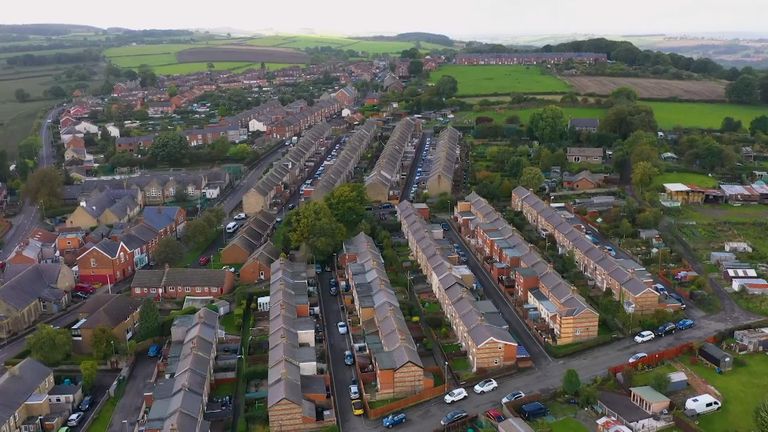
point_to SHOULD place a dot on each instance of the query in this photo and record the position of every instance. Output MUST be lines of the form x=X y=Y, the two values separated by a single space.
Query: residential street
x=129 y=406
x=232 y=199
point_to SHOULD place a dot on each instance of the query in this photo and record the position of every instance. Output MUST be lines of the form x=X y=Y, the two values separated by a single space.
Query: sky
x=454 y=18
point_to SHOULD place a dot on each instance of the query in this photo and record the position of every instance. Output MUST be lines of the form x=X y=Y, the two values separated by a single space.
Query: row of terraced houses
x=636 y=294
x=488 y=342
x=567 y=315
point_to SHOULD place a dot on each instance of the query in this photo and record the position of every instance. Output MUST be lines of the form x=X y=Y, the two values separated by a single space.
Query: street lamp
x=445 y=377
x=113 y=347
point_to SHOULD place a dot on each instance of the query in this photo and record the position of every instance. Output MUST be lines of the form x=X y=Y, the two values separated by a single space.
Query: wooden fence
x=655 y=358
x=423 y=396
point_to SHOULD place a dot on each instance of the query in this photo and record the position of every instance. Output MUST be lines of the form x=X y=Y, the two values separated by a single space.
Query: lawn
x=228 y=323
x=460 y=364
x=500 y=79
x=704 y=115
x=468 y=117
x=742 y=389
x=687 y=178
x=567 y=425
x=225 y=389
x=104 y=417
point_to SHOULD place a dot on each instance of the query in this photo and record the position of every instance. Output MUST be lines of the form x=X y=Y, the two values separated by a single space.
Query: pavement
x=129 y=406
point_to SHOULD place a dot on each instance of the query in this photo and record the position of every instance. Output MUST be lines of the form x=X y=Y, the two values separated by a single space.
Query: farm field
x=743 y=388
x=687 y=178
x=500 y=79
x=649 y=88
x=468 y=117
x=371 y=47
x=241 y=54
x=700 y=114
x=187 y=68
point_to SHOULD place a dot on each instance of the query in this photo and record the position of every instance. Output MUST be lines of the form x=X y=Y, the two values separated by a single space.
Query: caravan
x=702 y=404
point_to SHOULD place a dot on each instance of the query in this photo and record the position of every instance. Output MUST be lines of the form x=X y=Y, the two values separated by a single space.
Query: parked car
x=661 y=289
x=685 y=324
x=533 y=410
x=453 y=417
x=679 y=299
x=494 y=415
x=486 y=385
x=444 y=226
x=393 y=420
x=354 y=392
x=80 y=295
x=455 y=395
x=232 y=227
x=637 y=357
x=644 y=336
x=357 y=407
x=84 y=288
x=85 y=405
x=240 y=216
x=515 y=395
x=665 y=329
x=342 y=326
x=154 y=350
x=334 y=290
x=204 y=260
x=610 y=250
x=349 y=358
x=75 y=418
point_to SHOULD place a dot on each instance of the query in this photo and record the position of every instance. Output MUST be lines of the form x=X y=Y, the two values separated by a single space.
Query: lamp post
x=445 y=377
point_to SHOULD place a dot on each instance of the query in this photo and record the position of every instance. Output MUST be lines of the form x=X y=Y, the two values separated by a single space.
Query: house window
x=58 y=399
x=93 y=262
x=261 y=275
x=578 y=331
x=214 y=289
x=187 y=289
x=69 y=242
x=171 y=289
x=138 y=290
x=152 y=290
x=198 y=289
x=122 y=257
x=501 y=347
x=145 y=290
x=496 y=361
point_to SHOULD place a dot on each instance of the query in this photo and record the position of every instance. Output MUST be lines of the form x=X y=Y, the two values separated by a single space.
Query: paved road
x=419 y=157
x=232 y=199
x=129 y=406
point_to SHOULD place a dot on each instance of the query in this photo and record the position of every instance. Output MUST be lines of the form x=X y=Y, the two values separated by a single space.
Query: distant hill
x=434 y=38
x=46 y=29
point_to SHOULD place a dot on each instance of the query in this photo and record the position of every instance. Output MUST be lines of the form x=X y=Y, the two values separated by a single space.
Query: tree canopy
x=315 y=226
x=104 y=343
x=447 y=86
x=168 y=251
x=45 y=186
x=531 y=178
x=149 y=320
x=745 y=90
x=169 y=147
x=624 y=119
x=347 y=204
x=42 y=341
x=548 y=125
x=571 y=382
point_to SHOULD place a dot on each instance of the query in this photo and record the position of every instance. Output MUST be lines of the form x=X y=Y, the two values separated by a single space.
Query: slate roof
x=175 y=277
x=114 y=309
x=160 y=217
x=18 y=384
x=25 y=285
x=347 y=160
x=388 y=164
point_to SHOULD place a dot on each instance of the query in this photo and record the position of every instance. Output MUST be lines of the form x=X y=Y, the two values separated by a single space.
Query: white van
x=702 y=404
x=232 y=227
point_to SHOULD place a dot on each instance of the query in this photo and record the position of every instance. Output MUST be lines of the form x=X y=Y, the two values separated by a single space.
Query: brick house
x=590 y=155
x=177 y=283
x=25 y=387
x=107 y=262
x=113 y=311
x=257 y=267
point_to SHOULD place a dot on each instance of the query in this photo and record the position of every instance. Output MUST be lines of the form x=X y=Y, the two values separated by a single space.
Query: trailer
x=717 y=357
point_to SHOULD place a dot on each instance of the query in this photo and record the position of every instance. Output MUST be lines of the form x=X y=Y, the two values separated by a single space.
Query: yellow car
x=357 y=407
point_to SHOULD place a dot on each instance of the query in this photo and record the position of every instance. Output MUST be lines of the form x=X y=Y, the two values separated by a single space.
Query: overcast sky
x=454 y=18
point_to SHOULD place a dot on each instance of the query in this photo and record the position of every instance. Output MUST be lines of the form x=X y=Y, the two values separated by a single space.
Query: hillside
x=46 y=29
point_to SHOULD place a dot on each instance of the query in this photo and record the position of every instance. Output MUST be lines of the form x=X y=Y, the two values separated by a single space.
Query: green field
x=468 y=117
x=742 y=389
x=187 y=68
x=500 y=79
x=371 y=47
x=687 y=178
x=700 y=114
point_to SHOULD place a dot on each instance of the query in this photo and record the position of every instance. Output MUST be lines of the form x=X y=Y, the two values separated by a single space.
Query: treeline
x=45 y=29
x=45 y=46
x=85 y=56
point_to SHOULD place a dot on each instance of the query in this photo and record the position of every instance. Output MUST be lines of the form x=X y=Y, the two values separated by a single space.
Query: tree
x=548 y=125
x=149 y=320
x=730 y=125
x=347 y=204
x=587 y=397
x=315 y=226
x=764 y=89
x=410 y=53
x=168 y=147
x=659 y=382
x=173 y=90
x=45 y=186
x=104 y=343
x=624 y=119
x=168 y=251
x=219 y=148
x=240 y=152
x=55 y=92
x=761 y=416
x=415 y=67
x=643 y=174
x=21 y=95
x=623 y=95
x=759 y=124
x=147 y=77
x=569 y=99
x=706 y=153
x=89 y=369
x=744 y=90
x=571 y=382
x=50 y=345
x=30 y=147
x=531 y=178
x=446 y=86
x=625 y=229
x=180 y=195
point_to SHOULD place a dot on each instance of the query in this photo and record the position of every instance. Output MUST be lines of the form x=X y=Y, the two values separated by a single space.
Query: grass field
x=742 y=389
x=371 y=47
x=186 y=68
x=567 y=425
x=500 y=79
x=700 y=114
x=468 y=117
x=687 y=178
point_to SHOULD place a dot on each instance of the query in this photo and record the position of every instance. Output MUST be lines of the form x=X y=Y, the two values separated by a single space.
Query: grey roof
x=387 y=166
x=18 y=384
x=175 y=277
x=622 y=405
x=29 y=284
x=160 y=217
x=584 y=123
x=113 y=310
x=109 y=247
x=342 y=170
x=446 y=155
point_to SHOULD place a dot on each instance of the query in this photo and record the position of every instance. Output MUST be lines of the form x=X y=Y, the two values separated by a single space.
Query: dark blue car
x=685 y=324
x=154 y=350
x=393 y=420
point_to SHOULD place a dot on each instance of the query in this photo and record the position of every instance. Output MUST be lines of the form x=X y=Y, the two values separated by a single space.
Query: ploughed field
x=648 y=88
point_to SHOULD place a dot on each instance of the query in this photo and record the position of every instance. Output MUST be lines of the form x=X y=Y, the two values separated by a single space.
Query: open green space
x=700 y=114
x=468 y=117
x=368 y=46
x=104 y=417
x=567 y=425
x=687 y=178
x=187 y=68
x=743 y=388
x=500 y=79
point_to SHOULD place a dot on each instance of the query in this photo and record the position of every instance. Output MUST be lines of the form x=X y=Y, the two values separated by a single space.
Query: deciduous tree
x=347 y=204
x=149 y=320
x=624 y=119
x=759 y=124
x=44 y=186
x=168 y=251
x=643 y=174
x=744 y=90
x=623 y=95
x=571 y=382
x=21 y=95
x=446 y=86
x=89 y=369
x=531 y=178
x=50 y=345
x=730 y=125
x=104 y=343
x=315 y=226
x=169 y=147
x=548 y=125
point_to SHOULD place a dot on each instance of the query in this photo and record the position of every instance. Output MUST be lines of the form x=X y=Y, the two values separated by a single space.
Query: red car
x=204 y=260
x=84 y=288
x=494 y=415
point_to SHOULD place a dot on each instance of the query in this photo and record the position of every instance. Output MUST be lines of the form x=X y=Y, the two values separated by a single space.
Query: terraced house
x=344 y=167
x=440 y=178
x=488 y=343
x=383 y=183
x=254 y=232
x=24 y=389
x=287 y=173
x=296 y=396
x=608 y=273
x=399 y=369
x=566 y=316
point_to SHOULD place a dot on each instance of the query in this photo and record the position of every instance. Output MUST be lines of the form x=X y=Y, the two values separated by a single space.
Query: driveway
x=129 y=406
